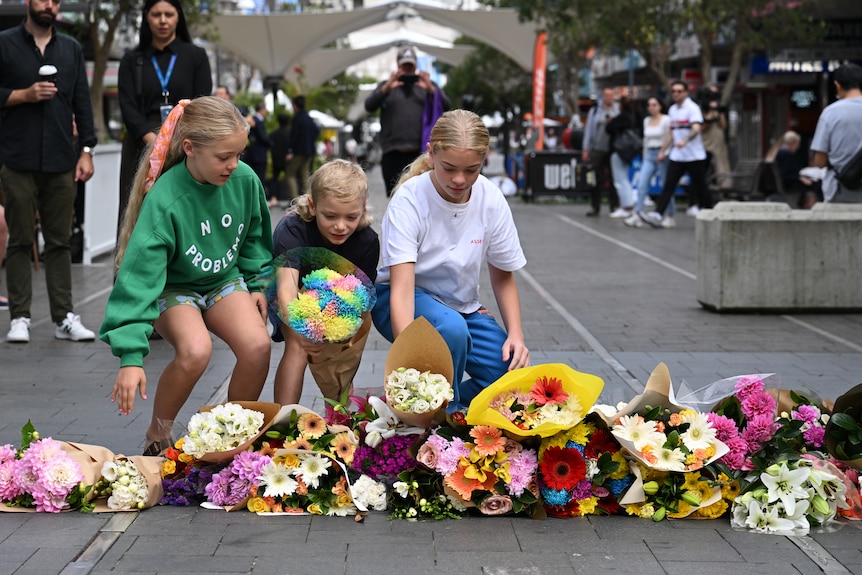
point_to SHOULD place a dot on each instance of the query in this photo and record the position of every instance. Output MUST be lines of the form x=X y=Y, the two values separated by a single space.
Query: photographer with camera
x=402 y=100
x=714 y=127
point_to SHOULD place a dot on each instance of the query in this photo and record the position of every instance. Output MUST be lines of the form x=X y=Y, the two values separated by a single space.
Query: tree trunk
x=732 y=73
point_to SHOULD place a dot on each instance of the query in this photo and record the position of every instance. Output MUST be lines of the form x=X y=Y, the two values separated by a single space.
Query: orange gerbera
x=548 y=390
x=300 y=443
x=463 y=486
x=489 y=440
x=311 y=425
x=343 y=447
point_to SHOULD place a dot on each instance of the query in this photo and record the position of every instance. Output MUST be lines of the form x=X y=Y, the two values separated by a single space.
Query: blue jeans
x=650 y=166
x=475 y=341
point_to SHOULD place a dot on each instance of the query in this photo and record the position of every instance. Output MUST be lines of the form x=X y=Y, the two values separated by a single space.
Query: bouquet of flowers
x=297 y=427
x=678 y=495
x=683 y=441
x=368 y=493
x=410 y=391
x=582 y=471
x=488 y=470
x=420 y=494
x=334 y=295
x=330 y=306
x=418 y=372
x=123 y=484
x=540 y=400
x=789 y=498
x=41 y=475
x=219 y=432
x=298 y=482
x=184 y=479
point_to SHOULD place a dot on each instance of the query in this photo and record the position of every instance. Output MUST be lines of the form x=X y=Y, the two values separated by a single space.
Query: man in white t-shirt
x=836 y=138
x=687 y=155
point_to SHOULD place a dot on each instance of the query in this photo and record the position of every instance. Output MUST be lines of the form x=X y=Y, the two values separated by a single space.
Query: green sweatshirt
x=188 y=235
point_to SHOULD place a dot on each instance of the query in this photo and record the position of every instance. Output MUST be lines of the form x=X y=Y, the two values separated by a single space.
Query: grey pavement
x=606 y=299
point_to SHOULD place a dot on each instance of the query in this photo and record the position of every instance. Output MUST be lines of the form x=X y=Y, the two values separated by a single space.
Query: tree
x=651 y=27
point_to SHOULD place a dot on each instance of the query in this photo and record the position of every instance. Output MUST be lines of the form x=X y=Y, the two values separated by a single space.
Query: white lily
x=766 y=518
x=786 y=486
x=386 y=425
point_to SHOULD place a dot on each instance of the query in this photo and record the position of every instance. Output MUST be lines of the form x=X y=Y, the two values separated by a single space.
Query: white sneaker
x=634 y=221
x=668 y=223
x=19 y=330
x=620 y=213
x=692 y=211
x=72 y=328
x=652 y=218
x=648 y=203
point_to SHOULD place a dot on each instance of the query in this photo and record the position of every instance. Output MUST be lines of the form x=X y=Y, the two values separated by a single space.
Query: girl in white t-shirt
x=444 y=221
x=656 y=134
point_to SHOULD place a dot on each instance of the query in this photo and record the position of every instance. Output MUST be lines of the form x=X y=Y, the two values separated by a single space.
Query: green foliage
x=423 y=497
x=847 y=433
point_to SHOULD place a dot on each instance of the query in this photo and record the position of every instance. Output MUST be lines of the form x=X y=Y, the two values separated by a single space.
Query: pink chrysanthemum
x=9 y=488
x=758 y=404
x=807 y=413
x=7 y=453
x=748 y=385
x=725 y=428
x=522 y=468
x=449 y=457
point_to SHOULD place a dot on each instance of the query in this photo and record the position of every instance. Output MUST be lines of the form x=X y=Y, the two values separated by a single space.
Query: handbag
x=628 y=145
x=850 y=175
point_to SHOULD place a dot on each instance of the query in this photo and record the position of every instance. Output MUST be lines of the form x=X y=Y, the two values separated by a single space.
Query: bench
x=751 y=180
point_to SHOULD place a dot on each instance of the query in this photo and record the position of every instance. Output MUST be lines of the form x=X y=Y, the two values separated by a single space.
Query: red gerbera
x=548 y=390
x=562 y=468
x=601 y=441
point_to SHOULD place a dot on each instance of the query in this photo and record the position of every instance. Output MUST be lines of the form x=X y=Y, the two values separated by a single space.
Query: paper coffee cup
x=48 y=73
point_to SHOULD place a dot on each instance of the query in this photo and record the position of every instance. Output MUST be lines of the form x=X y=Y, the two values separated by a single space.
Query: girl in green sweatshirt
x=194 y=239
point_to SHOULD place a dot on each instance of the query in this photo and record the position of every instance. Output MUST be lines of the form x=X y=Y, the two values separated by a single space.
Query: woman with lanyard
x=163 y=69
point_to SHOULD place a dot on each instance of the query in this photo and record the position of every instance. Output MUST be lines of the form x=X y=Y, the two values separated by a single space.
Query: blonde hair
x=205 y=120
x=340 y=180
x=454 y=130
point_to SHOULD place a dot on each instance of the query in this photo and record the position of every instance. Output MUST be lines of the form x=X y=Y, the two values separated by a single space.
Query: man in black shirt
x=41 y=162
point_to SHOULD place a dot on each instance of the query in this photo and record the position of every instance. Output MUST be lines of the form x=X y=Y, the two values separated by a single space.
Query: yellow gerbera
x=343 y=448
x=730 y=490
x=311 y=425
x=691 y=481
x=683 y=510
x=713 y=511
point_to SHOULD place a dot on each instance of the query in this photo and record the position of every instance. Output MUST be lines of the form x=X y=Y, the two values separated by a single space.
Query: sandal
x=158 y=448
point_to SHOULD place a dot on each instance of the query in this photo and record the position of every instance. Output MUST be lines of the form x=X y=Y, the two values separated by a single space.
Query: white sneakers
x=19 y=330
x=72 y=328
x=668 y=223
x=634 y=221
x=621 y=213
x=692 y=211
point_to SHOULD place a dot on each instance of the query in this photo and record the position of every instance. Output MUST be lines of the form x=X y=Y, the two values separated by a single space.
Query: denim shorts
x=180 y=296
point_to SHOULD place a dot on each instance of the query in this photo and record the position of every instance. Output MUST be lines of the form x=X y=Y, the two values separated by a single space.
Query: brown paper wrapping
x=269 y=409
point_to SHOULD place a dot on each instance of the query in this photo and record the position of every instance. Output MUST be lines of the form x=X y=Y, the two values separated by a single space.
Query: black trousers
x=392 y=164
x=699 y=190
x=601 y=162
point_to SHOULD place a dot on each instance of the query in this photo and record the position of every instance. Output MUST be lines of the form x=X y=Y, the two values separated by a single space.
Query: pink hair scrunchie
x=163 y=142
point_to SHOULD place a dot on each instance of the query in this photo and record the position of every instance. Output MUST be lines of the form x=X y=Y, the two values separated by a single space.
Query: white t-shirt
x=654 y=136
x=682 y=118
x=449 y=243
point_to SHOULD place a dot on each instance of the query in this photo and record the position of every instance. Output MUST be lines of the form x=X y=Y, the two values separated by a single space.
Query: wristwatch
x=87 y=150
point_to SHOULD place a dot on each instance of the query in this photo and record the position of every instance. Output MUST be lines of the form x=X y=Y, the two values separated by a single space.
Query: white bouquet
x=224 y=428
x=124 y=484
x=410 y=391
x=789 y=498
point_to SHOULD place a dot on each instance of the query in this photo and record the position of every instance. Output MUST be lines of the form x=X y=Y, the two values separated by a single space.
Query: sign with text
x=558 y=173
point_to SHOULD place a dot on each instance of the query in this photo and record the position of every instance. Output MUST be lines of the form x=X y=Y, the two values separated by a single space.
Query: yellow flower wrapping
x=584 y=386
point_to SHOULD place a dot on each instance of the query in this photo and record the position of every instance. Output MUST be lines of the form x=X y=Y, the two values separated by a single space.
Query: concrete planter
x=766 y=257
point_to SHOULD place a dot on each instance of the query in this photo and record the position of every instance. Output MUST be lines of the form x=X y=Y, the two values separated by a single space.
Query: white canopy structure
x=277 y=43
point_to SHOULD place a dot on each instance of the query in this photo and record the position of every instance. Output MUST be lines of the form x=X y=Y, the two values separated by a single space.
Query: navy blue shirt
x=38 y=137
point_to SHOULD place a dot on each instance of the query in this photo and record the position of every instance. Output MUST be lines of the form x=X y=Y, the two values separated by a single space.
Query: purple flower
x=582 y=490
x=248 y=465
x=522 y=469
x=388 y=459
x=814 y=436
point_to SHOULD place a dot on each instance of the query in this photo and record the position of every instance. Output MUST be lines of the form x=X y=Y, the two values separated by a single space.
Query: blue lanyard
x=165 y=78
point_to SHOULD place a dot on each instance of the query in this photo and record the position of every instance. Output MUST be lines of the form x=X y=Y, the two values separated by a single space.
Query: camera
x=409 y=79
